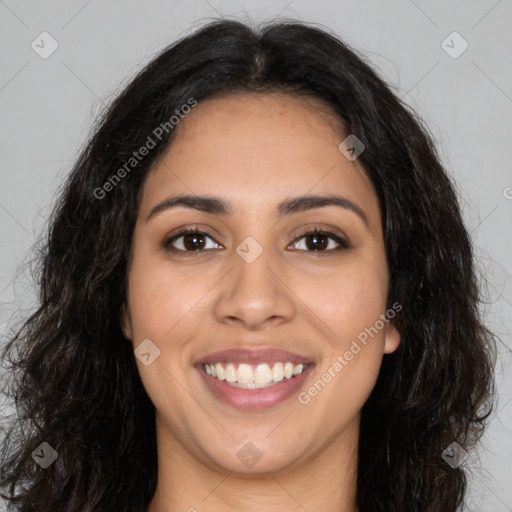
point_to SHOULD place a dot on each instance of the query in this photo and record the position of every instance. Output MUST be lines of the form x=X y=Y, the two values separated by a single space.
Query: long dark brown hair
x=74 y=380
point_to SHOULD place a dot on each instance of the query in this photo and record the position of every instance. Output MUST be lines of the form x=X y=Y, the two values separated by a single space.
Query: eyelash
x=342 y=243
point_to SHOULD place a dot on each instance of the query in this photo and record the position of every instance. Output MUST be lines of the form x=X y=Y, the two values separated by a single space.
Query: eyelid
x=180 y=232
x=340 y=239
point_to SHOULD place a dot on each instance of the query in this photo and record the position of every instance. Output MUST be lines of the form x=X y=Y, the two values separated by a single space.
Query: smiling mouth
x=254 y=396
x=254 y=376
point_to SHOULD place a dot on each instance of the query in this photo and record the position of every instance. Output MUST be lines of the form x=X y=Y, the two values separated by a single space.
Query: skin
x=255 y=151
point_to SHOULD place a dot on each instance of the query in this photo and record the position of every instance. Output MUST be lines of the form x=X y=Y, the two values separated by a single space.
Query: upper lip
x=253 y=356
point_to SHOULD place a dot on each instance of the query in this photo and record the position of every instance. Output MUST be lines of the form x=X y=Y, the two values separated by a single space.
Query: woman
x=257 y=290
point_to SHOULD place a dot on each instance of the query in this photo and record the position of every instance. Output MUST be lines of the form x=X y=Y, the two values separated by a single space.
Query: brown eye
x=190 y=240
x=321 y=241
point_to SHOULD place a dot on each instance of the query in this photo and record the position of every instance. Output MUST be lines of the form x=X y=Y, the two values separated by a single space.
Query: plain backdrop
x=461 y=84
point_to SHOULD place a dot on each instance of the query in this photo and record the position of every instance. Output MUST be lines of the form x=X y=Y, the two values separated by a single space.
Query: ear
x=391 y=339
x=125 y=321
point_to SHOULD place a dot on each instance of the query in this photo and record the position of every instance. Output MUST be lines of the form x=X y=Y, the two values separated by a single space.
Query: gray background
x=47 y=107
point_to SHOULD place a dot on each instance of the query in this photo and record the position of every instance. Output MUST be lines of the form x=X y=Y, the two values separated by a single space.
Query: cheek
x=351 y=303
x=349 y=300
x=160 y=297
x=163 y=308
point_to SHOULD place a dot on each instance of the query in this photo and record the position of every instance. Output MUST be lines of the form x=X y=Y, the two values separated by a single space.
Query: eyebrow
x=217 y=206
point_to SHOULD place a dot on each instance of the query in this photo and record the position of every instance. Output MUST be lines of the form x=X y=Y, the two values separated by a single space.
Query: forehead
x=255 y=150
x=260 y=126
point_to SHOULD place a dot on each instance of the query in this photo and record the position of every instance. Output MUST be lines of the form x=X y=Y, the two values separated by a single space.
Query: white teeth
x=244 y=374
x=221 y=374
x=262 y=376
x=296 y=370
x=278 y=372
x=230 y=373
x=288 y=370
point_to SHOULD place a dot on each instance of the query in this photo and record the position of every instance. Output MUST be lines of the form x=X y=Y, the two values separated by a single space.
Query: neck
x=326 y=481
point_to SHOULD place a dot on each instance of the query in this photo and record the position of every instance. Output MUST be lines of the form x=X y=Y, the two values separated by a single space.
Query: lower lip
x=254 y=399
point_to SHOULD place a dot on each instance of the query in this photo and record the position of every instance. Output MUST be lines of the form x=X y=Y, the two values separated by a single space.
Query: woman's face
x=253 y=284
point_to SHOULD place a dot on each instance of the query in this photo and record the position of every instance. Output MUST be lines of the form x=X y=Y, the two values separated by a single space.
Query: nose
x=255 y=295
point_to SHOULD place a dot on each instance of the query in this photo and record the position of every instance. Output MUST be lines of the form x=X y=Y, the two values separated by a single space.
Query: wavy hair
x=73 y=376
